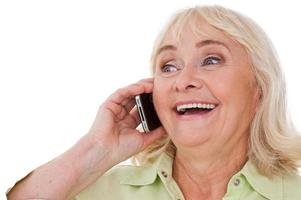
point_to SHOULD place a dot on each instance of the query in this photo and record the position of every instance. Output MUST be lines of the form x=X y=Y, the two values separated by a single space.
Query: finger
x=132 y=120
x=124 y=95
x=121 y=110
x=130 y=105
x=135 y=115
x=135 y=89
x=118 y=110
x=149 y=82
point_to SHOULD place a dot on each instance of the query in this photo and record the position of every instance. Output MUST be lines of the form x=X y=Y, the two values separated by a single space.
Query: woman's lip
x=195 y=116
x=178 y=103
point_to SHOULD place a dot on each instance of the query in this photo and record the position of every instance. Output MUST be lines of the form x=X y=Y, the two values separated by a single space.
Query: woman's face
x=209 y=70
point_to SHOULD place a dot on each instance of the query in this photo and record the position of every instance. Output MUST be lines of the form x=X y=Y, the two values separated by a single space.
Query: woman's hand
x=112 y=138
x=117 y=119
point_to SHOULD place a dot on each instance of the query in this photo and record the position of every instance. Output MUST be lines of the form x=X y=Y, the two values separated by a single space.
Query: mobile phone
x=147 y=112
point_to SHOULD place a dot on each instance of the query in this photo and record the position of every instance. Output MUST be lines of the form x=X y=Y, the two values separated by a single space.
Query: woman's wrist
x=90 y=159
x=66 y=175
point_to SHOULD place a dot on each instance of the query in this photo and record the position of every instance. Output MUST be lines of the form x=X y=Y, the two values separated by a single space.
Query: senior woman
x=220 y=95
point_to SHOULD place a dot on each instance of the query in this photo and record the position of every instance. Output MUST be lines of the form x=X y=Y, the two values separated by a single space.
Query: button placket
x=170 y=185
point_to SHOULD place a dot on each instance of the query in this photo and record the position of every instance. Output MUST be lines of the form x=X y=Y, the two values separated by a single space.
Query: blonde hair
x=274 y=144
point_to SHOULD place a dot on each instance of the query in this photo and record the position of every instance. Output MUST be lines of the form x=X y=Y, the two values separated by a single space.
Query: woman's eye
x=211 y=60
x=169 y=68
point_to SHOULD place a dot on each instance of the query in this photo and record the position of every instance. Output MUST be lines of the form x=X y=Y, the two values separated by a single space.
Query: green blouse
x=156 y=182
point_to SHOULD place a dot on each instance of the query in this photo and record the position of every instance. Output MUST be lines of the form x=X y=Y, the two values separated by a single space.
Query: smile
x=194 y=108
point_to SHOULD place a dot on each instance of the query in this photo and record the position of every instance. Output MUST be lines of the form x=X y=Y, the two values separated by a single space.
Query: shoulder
x=118 y=182
x=131 y=182
x=292 y=186
x=108 y=182
x=119 y=172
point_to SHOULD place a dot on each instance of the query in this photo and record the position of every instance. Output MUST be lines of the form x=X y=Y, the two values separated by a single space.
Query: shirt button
x=164 y=174
x=236 y=182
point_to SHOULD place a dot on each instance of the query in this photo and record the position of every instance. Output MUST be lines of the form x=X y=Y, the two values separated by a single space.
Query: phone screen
x=147 y=112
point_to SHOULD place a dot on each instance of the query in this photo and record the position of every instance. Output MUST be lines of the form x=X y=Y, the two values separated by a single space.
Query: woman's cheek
x=156 y=94
x=161 y=96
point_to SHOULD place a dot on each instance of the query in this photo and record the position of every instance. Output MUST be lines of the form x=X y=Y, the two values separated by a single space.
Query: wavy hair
x=274 y=143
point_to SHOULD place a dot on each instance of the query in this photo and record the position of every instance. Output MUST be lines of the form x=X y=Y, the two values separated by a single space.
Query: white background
x=60 y=59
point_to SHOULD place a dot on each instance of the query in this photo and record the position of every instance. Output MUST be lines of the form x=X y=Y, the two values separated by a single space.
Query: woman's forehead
x=198 y=34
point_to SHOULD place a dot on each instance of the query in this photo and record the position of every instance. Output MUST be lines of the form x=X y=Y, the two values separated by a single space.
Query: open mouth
x=194 y=109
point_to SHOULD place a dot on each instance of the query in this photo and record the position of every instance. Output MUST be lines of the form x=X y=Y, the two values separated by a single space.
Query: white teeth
x=182 y=108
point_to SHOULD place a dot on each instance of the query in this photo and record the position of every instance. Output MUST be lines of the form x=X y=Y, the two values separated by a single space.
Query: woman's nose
x=188 y=79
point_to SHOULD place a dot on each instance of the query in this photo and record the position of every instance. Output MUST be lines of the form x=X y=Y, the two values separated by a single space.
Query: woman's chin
x=190 y=138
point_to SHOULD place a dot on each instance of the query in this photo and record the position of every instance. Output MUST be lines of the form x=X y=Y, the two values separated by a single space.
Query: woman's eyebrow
x=166 y=48
x=197 y=45
x=211 y=42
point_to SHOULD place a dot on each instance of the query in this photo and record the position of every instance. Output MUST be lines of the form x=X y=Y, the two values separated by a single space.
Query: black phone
x=147 y=112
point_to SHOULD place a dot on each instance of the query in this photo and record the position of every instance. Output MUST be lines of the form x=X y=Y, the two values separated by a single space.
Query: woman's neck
x=207 y=176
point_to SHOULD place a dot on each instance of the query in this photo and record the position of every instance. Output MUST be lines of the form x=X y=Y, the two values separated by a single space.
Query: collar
x=271 y=188
x=145 y=175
